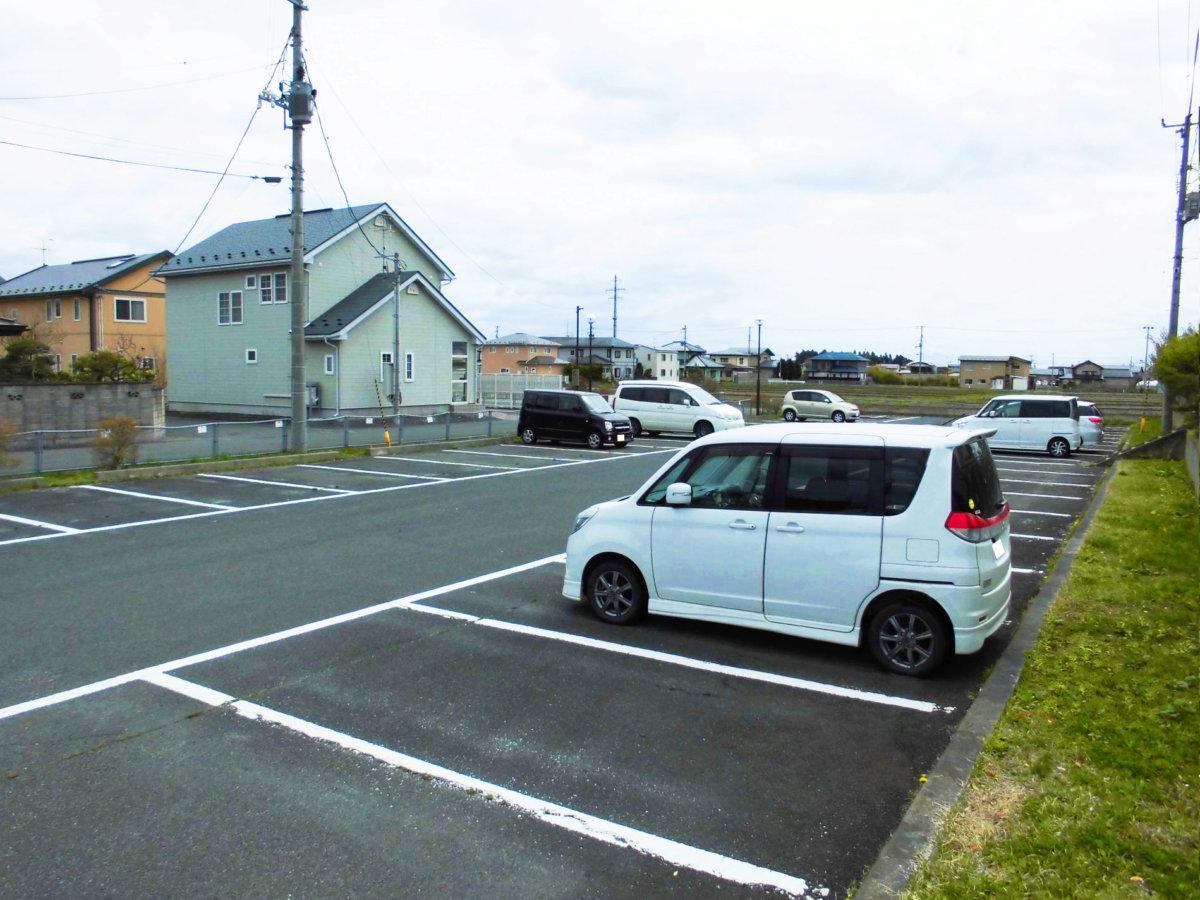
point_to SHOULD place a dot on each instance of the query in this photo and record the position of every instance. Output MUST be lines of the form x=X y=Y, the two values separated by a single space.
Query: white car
x=892 y=536
x=654 y=406
x=817 y=405
x=1047 y=422
x=1091 y=425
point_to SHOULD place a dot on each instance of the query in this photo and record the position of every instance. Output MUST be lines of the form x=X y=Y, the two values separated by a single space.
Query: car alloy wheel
x=908 y=638
x=839 y=416
x=789 y=415
x=703 y=429
x=636 y=427
x=528 y=436
x=594 y=440
x=615 y=593
x=1059 y=447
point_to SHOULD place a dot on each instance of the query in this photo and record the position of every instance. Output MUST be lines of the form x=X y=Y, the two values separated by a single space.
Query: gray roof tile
x=75 y=276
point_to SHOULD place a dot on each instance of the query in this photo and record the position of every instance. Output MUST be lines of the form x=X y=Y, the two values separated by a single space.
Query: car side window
x=1007 y=409
x=822 y=398
x=678 y=397
x=731 y=477
x=633 y=393
x=842 y=480
x=656 y=395
x=569 y=403
x=658 y=491
x=903 y=469
x=543 y=401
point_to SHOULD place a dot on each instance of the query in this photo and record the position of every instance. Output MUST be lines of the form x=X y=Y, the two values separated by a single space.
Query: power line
x=337 y=175
x=130 y=90
x=148 y=165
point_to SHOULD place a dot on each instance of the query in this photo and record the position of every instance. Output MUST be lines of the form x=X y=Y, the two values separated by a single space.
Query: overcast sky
x=994 y=171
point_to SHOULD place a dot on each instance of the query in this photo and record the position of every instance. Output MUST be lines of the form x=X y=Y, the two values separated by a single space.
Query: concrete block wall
x=60 y=407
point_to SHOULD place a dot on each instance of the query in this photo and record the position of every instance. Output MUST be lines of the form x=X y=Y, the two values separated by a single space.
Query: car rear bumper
x=988 y=611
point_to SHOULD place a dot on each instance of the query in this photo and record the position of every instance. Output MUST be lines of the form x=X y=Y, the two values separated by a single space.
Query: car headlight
x=583 y=518
x=608 y=426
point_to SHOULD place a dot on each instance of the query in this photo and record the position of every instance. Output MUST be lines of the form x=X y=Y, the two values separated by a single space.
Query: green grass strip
x=1090 y=784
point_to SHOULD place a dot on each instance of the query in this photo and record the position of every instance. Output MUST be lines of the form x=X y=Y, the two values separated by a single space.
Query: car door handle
x=742 y=525
x=790 y=528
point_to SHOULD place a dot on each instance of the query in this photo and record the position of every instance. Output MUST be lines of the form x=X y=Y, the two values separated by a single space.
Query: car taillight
x=1095 y=420
x=975 y=528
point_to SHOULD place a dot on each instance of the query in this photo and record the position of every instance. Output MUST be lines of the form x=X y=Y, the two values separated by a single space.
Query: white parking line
x=1038 y=512
x=904 y=419
x=686 y=662
x=514 y=455
x=34 y=523
x=442 y=462
x=513 y=470
x=288 y=484
x=96 y=686
x=1038 y=481
x=1026 y=571
x=604 y=830
x=1046 y=496
x=1055 y=472
x=1026 y=461
x=1032 y=537
x=125 y=493
x=372 y=472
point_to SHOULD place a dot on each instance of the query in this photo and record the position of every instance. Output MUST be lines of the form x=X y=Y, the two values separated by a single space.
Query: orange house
x=112 y=303
x=521 y=354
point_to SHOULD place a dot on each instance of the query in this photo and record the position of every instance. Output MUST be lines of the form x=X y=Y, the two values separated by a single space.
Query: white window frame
x=53 y=310
x=241 y=308
x=410 y=371
x=465 y=381
x=147 y=364
x=510 y=349
x=130 y=300
x=385 y=359
x=252 y=356
x=77 y=311
x=251 y=282
x=412 y=289
x=269 y=285
x=56 y=362
x=329 y=370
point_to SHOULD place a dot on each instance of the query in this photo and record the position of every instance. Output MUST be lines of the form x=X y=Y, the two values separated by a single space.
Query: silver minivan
x=1046 y=422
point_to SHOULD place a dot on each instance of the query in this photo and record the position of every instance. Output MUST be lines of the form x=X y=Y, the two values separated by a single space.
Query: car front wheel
x=908 y=638
x=789 y=415
x=1058 y=447
x=703 y=429
x=615 y=593
x=636 y=427
x=595 y=440
x=839 y=416
x=528 y=436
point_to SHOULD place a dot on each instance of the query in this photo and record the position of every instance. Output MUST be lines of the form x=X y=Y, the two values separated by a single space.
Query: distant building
x=616 y=358
x=921 y=368
x=522 y=353
x=1119 y=377
x=1005 y=373
x=738 y=363
x=658 y=362
x=11 y=327
x=836 y=366
x=1087 y=371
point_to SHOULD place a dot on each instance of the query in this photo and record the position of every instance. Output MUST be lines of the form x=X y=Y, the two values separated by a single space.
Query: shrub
x=1177 y=368
x=106 y=365
x=116 y=443
x=26 y=359
x=884 y=376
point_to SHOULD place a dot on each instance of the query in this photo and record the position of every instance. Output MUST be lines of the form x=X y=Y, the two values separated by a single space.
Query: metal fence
x=35 y=452
x=504 y=391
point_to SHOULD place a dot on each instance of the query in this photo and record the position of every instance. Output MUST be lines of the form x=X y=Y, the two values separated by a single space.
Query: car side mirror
x=679 y=494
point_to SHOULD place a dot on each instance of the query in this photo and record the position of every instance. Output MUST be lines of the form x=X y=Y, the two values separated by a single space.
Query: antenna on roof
x=43 y=248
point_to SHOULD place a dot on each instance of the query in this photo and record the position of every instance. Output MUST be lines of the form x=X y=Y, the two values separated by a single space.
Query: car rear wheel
x=595 y=440
x=908 y=638
x=789 y=415
x=615 y=593
x=702 y=429
x=636 y=427
x=528 y=436
x=652 y=433
x=1058 y=447
x=839 y=416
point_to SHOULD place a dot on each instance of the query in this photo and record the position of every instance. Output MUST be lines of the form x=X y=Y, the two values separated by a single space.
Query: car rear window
x=903 y=469
x=1047 y=409
x=1090 y=409
x=974 y=482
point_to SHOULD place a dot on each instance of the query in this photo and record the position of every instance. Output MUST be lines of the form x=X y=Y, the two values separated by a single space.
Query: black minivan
x=572 y=416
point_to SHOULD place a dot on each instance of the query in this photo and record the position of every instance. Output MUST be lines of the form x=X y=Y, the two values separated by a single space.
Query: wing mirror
x=679 y=494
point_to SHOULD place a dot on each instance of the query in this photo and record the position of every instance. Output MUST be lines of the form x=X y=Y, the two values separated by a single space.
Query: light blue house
x=378 y=322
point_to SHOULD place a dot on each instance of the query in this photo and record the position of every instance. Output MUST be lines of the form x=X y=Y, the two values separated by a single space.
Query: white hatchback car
x=1045 y=422
x=893 y=536
x=654 y=406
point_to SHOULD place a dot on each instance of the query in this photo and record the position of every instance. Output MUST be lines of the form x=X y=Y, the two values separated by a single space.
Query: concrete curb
x=915 y=837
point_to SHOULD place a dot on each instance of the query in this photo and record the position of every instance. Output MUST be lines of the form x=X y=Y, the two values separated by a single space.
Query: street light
x=578 y=379
x=591 y=322
x=758 y=372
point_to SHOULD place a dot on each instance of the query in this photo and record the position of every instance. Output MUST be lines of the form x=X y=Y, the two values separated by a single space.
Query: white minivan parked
x=892 y=536
x=1046 y=422
x=654 y=406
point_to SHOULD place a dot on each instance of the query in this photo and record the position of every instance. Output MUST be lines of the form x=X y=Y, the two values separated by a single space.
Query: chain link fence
x=37 y=452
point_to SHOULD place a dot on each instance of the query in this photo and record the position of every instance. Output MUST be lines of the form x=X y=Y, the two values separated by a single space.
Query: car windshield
x=703 y=397
x=595 y=403
x=834 y=397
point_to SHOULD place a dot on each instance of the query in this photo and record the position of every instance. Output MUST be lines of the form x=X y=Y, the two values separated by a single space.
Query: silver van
x=1046 y=422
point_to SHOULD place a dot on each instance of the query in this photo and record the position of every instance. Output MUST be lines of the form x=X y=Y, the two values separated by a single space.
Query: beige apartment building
x=1005 y=373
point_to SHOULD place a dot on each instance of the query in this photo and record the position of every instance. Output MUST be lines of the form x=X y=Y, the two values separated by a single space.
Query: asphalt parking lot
x=360 y=677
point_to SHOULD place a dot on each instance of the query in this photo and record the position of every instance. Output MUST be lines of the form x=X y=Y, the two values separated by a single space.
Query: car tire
x=595 y=440
x=635 y=427
x=653 y=433
x=528 y=436
x=1058 y=448
x=789 y=415
x=838 y=416
x=908 y=638
x=615 y=593
x=702 y=429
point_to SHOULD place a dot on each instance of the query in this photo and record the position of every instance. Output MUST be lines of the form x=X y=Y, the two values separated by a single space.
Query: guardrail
x=38 y=452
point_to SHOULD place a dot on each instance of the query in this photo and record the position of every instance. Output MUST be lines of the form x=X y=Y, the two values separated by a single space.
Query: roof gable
x=340 y=319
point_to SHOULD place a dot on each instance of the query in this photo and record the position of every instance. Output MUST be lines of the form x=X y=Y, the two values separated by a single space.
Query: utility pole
x=1181 y=218
x=1146 y=352
x=758 y=371
x=591 y=322
x=921 y=345
x=578 y=371
x=685 y=336
x=396 y=339
x=615 y=291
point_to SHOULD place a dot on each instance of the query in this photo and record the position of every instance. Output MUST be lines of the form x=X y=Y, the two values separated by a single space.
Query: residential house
x=11 y=327
x=704 y=367
x=371 y=336
x=738 y=363
x=1010 y=373
x=616 y=358
x=684 y=351
x=1046 y=377
x=1087 y=371
x=658 y=362
x=921 y=368
x=836 y=366
x=1120 y=378
x=111 y=303
x=522 y=353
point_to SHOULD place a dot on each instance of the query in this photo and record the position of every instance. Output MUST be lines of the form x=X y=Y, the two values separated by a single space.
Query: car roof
x=558 y=391
x=1036 y=397
x=653 y=382
x=919 y=436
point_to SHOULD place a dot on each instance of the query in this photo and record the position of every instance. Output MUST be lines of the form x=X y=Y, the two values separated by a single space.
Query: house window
x=504 y=370
x=77 y=311
x=55 y=362
x=662 y=373
x=128 y=310
x=412 y=289
x=251 y=356
x=53 y=310
x=229 y=308
x=74 y=357
x=385 y=367
x=409 y=367
x=458 y=372
x=490 y=349
x=146 y=364
x=510 y=349
x=273 y=288
x=328 y=363
x=251 y=282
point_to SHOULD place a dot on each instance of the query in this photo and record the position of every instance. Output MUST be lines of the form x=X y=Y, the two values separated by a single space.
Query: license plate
x=620 y=438
x=998 y=549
